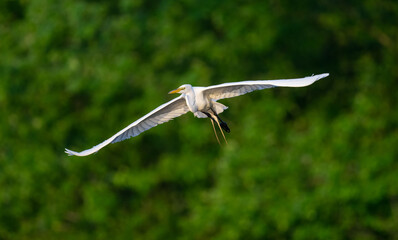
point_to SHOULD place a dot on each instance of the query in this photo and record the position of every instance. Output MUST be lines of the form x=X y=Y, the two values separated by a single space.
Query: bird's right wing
x=228 y=90
x=161 y=114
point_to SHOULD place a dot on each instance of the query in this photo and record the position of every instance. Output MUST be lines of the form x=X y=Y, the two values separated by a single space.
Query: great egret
x=201 y=101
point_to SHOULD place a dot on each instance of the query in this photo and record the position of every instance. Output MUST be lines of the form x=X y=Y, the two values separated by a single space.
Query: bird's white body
x=196 y=100
x=201 y=101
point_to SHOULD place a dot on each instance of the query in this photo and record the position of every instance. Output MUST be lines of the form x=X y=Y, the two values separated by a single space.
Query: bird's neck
x=190 y=99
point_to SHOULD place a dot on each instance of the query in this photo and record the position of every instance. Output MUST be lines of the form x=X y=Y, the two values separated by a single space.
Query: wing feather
x=161 y=114
x=228 y=90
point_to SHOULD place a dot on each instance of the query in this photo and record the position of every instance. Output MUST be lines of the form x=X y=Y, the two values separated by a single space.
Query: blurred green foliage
x=319 y=162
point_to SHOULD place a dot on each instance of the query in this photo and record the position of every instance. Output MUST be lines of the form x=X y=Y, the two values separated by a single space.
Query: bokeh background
x=319 y=162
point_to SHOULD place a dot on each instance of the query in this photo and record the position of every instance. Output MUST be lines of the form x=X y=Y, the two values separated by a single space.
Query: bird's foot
x=225 y=126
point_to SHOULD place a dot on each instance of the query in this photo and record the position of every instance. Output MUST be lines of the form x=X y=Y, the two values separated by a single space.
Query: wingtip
x=323 y=75
x=70 y=152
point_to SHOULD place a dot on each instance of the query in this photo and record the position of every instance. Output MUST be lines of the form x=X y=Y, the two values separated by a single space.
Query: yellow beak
x=175 y=91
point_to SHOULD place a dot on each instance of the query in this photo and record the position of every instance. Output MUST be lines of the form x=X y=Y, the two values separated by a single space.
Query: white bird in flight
x=202 y=102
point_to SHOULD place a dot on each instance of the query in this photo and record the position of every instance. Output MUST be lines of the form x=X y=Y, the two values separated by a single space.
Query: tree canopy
x=319 y=162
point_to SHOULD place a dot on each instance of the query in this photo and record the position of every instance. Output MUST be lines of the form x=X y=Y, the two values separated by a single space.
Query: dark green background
x=319 y=162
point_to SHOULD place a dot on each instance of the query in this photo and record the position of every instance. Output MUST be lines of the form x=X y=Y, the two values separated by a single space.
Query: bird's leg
x=212 y=119
x=222 y=132
x=218 y=122
x=223 y=124
x=215 y=133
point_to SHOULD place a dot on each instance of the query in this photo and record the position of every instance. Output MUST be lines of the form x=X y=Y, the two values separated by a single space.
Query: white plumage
x=201 y=101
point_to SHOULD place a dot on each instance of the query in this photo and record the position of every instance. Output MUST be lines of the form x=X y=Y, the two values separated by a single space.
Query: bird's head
x=182 y=89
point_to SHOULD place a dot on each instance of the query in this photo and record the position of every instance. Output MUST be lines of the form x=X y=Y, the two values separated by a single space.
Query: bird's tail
x=218 y=107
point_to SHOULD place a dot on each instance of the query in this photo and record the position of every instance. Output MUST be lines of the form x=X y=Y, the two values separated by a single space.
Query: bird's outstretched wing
x=228 y=90
x=161 y=114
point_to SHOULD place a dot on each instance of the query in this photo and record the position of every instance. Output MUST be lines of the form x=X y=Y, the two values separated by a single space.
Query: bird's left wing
x=228 y=90
x=161 y=114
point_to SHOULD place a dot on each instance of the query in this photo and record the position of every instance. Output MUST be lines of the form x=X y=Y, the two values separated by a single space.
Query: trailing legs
x=221 y=124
